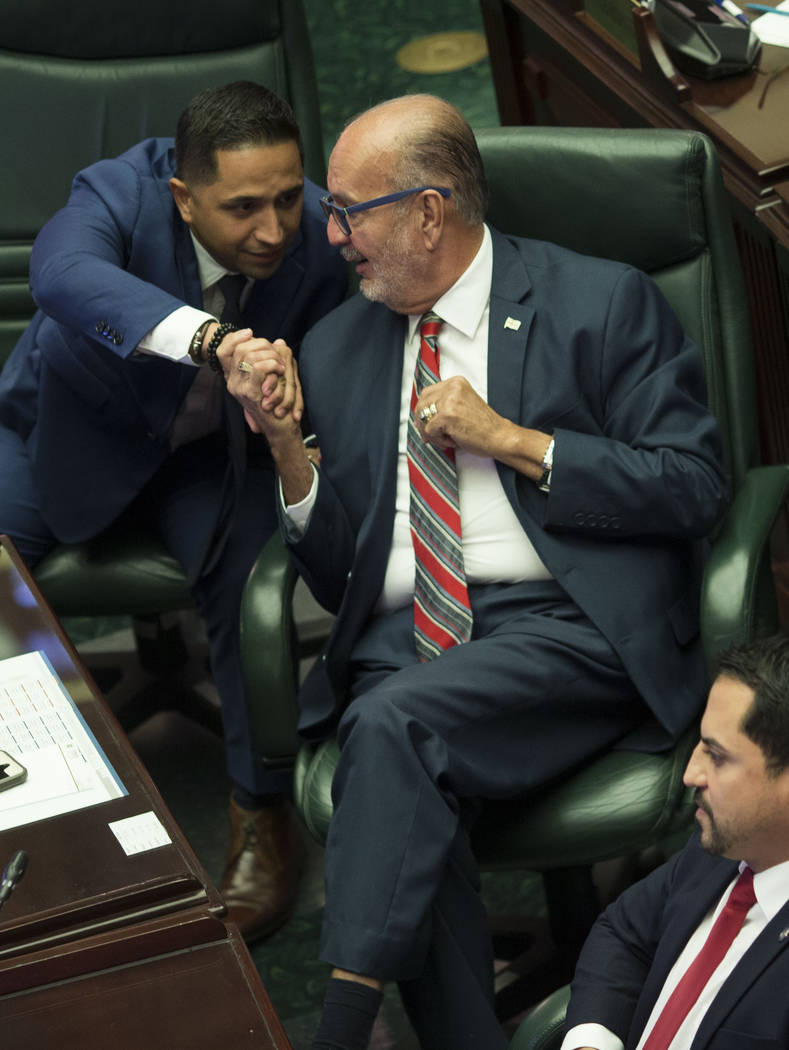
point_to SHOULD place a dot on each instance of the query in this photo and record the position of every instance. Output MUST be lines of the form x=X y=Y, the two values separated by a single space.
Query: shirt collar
x=463 y=305
x=770 y=887
x=209 y=269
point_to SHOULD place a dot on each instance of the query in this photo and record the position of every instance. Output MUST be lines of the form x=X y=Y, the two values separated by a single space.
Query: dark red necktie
x=442 y=613
x=726 y=927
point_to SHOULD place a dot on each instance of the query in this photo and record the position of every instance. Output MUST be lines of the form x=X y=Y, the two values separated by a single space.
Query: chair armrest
x=542 y=1028
x=268 y=655
x=738 y=592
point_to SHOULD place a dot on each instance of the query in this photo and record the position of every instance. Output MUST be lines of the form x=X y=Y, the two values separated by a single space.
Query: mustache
x=701 y=803
x=350 y=254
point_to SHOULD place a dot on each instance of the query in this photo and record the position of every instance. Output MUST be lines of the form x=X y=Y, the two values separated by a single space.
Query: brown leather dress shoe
x=263 y=867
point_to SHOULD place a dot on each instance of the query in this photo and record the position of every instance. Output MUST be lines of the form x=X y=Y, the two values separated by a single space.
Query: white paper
x=140 y=833
x=42 y=728
x=773 y=29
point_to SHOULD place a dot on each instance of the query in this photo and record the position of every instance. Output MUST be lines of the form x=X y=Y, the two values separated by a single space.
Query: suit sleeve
x=324 y=552
x=650 y=463
x=79 y=270
x=618 y=954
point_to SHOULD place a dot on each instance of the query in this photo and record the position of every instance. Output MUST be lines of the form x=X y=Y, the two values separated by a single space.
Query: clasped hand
x=262 y=376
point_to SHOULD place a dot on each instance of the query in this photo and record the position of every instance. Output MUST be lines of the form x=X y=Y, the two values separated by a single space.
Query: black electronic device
x=706 y=39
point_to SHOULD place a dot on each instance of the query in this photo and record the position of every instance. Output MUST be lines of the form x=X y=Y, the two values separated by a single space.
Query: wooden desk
x=79 y=880
x=186 y=980
x=99 y=949
x=601 y=64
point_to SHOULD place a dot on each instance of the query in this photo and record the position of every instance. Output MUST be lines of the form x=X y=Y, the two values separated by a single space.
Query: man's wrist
x=196 y=347
x=296 y=472
x=212 y=340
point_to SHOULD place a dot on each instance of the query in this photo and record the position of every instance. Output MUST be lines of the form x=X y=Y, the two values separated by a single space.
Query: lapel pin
x=512 y=323
x=783 y=934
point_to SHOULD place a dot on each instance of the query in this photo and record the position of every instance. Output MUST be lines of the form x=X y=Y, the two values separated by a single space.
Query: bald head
x=419 y=140
x=410 y=250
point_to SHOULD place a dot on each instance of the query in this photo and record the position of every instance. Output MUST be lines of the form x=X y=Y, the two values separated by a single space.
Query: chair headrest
x=109 y=29
x=632 y=195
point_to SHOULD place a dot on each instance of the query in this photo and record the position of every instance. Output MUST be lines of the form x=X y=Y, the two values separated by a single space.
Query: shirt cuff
x=298 y=514
x=591 y=1035
x=171 y=337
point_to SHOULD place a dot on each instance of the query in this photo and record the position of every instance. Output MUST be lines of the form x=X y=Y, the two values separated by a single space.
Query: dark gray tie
x=232 y=286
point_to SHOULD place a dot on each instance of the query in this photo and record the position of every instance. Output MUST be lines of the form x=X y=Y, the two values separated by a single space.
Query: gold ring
x=245 y=366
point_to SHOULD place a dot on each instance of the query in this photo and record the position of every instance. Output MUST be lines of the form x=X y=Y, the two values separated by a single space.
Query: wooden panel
x=186 y=981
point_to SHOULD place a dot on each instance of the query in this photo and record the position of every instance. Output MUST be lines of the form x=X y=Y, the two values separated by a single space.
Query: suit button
x=117 y=339
x=100 y=326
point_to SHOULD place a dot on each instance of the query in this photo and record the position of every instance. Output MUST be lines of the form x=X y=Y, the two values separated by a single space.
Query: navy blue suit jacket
x=107 y=268
x=634 y=944
x=600 y=361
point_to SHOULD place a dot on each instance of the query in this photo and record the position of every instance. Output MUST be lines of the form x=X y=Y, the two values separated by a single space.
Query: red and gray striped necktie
x=442 y=613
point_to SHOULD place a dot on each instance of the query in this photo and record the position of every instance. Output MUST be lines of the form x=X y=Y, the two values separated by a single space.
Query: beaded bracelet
x=216 y=339
x=196 y=345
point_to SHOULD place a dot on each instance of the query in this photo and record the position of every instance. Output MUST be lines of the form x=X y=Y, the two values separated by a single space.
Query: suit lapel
x=380 y=366
x=688 y=908
x=762 y=953
x=509 y=325
x=381 y=437
x=508 y=328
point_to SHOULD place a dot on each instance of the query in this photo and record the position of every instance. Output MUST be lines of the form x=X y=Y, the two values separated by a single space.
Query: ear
x=182 y=198
x=432 y=218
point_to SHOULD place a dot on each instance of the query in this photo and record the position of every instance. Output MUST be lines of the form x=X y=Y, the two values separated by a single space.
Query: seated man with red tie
x=517 y=469
x=694 y=956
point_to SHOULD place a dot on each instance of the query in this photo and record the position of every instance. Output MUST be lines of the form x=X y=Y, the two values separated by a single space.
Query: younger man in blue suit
x=113 y=401
x=549 y=611
x=629 y=980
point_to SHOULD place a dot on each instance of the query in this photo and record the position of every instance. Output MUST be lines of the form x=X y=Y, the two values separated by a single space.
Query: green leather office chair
x=85 y=81
x=654 y=199
x=542 y=1028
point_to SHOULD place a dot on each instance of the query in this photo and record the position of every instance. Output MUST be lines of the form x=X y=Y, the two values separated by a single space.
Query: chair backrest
x=654 y=199
x=85 y=81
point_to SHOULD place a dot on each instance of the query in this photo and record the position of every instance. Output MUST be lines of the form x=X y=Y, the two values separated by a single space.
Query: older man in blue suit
x=508 y=523
x=113 y=401
x=649 y=976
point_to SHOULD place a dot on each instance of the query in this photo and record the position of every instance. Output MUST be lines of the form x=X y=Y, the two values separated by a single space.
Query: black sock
x=349 y=1010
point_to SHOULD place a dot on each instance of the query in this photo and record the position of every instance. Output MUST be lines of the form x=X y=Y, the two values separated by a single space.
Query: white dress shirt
x=495 y=547
x=772 y=893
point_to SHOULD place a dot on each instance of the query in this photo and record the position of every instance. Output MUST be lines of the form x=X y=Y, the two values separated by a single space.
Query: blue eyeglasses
x=340 y=214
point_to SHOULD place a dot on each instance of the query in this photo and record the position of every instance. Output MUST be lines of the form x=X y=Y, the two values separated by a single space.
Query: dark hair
x=440 y=150
x=239 y=114
x=763 y=666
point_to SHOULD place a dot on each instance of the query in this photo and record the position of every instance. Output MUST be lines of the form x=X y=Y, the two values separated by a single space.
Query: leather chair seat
x=623 y=802
x=117 y=573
